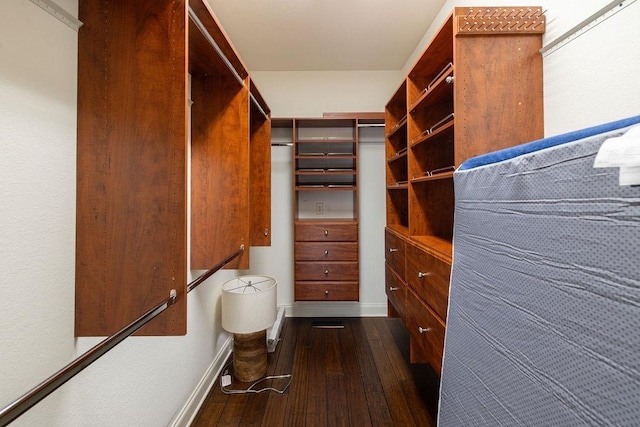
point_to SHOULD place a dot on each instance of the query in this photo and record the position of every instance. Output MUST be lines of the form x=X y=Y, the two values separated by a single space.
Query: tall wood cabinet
x=134 y=115
x=477 y=87
x=325 y=203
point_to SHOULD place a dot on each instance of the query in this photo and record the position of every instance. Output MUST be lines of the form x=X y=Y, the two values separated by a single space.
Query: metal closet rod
x=214 y=45
x=36 y=394
x=258 y=106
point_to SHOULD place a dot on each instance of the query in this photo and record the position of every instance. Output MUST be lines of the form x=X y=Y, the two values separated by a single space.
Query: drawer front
x=426 y=333
x=394 y=253
x=396 y=291
x=326 y=232
x=326 y=291
x=326 y=271
x=429 y=276
x=329 y=251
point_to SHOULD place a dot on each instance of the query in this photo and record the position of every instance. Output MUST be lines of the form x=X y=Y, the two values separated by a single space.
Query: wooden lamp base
x=250 y=356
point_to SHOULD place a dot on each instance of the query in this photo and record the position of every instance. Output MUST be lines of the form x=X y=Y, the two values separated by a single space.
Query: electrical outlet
x=319 y=208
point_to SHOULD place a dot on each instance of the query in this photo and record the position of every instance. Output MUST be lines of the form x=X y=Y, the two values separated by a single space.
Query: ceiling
x=321 y=35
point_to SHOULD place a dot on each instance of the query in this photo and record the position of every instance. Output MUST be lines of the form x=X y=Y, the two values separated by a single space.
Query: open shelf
x=461 y=98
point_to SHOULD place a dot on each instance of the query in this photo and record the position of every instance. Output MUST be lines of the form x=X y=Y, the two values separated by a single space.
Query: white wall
x=310 y=94
x=146 y=380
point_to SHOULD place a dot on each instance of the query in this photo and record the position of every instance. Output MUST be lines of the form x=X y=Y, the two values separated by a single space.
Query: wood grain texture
x=494 y=92
x=433 y=287
x=498 y=93
x=356 y=376
x=329 y=231
x=326 y=291
x=326 y=251
x=219 y=171
x=131 y=192
x=260 y=178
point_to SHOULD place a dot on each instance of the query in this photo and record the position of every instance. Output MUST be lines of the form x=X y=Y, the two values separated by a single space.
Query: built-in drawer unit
x=428 y=276
x=395 y=252
x=396 y=290
x=335 y=270
x=327 y=291
x=329 y=251
x=326 y=231
x=426 y=332
x=326 y=260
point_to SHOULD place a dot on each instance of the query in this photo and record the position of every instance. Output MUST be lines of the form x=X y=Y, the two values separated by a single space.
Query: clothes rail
x=585 y=25
x=214 y=45
x=48 y=386
x=258 y=106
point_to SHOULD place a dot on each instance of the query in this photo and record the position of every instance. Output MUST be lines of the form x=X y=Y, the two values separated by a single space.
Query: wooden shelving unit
x=325 y=202
x=477 y=87
x=134 y=62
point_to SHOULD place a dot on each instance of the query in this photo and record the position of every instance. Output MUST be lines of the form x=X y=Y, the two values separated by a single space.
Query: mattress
x=543 y=325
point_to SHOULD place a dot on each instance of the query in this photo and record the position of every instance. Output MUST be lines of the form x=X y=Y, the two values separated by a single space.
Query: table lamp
x=248 y=309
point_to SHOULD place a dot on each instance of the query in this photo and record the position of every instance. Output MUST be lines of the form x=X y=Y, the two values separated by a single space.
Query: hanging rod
x=585 y=25
x=212 y=42
x=48 y=386
x=258 y=106
x=204 y=276
x=59 y=13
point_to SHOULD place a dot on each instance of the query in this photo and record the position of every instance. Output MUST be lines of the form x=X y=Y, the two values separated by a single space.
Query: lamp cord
x=251 y=389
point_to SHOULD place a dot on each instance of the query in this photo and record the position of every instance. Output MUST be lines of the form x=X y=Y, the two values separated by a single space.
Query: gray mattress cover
x=544 y=313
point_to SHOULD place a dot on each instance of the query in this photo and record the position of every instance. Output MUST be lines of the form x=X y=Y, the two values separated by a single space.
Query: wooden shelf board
x=439 y=88
x=402 y=124
x=444 y=131
x=398 y=187
x=400 y=229
x=325 y=187
x=437 y=246
x=397 y=157
x=436 y=177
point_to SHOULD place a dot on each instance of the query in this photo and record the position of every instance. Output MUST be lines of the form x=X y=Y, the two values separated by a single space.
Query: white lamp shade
x=248 y=304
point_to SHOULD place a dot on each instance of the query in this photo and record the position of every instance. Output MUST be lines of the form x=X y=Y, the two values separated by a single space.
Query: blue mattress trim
x=530 y=147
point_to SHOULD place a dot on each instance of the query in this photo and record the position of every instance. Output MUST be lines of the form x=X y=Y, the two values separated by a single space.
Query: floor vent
x=328 y=324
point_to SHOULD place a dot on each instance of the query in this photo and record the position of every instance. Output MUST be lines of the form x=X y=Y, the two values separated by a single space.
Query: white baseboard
x=187 y=414
x=335 y=309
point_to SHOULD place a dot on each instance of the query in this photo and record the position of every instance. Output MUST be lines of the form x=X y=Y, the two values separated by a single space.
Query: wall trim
x=335 y=309
x=187 y=414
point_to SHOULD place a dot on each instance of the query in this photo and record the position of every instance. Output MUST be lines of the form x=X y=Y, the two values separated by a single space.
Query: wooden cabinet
x=477 y=87
x=134 y=122
x=325 y=202
x=326 y=260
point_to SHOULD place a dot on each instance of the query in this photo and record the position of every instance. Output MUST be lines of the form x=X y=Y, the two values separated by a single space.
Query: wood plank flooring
x=358 y=375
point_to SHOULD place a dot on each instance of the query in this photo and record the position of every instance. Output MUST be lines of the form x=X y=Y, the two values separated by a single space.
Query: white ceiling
x=320 y=35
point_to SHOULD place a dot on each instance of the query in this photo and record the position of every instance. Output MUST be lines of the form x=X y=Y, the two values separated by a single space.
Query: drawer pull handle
x=266 y=231
x=326 y=253
x=392 y=250
x=423 y=330
x=421 y=274
x=326 y=272
x=392 y=289
x=326 y=233
x=326 y=293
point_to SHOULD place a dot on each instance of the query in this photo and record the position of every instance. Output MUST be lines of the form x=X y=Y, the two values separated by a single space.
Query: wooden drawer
x=326 y=231
x=426 y=333
x=321 y=271
x=396 y=291
x=394 y=252
x=326 y=291
x=329 y=251
x=429 y=276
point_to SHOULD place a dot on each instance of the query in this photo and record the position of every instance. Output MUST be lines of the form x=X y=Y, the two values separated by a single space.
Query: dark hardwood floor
x=355 y=376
